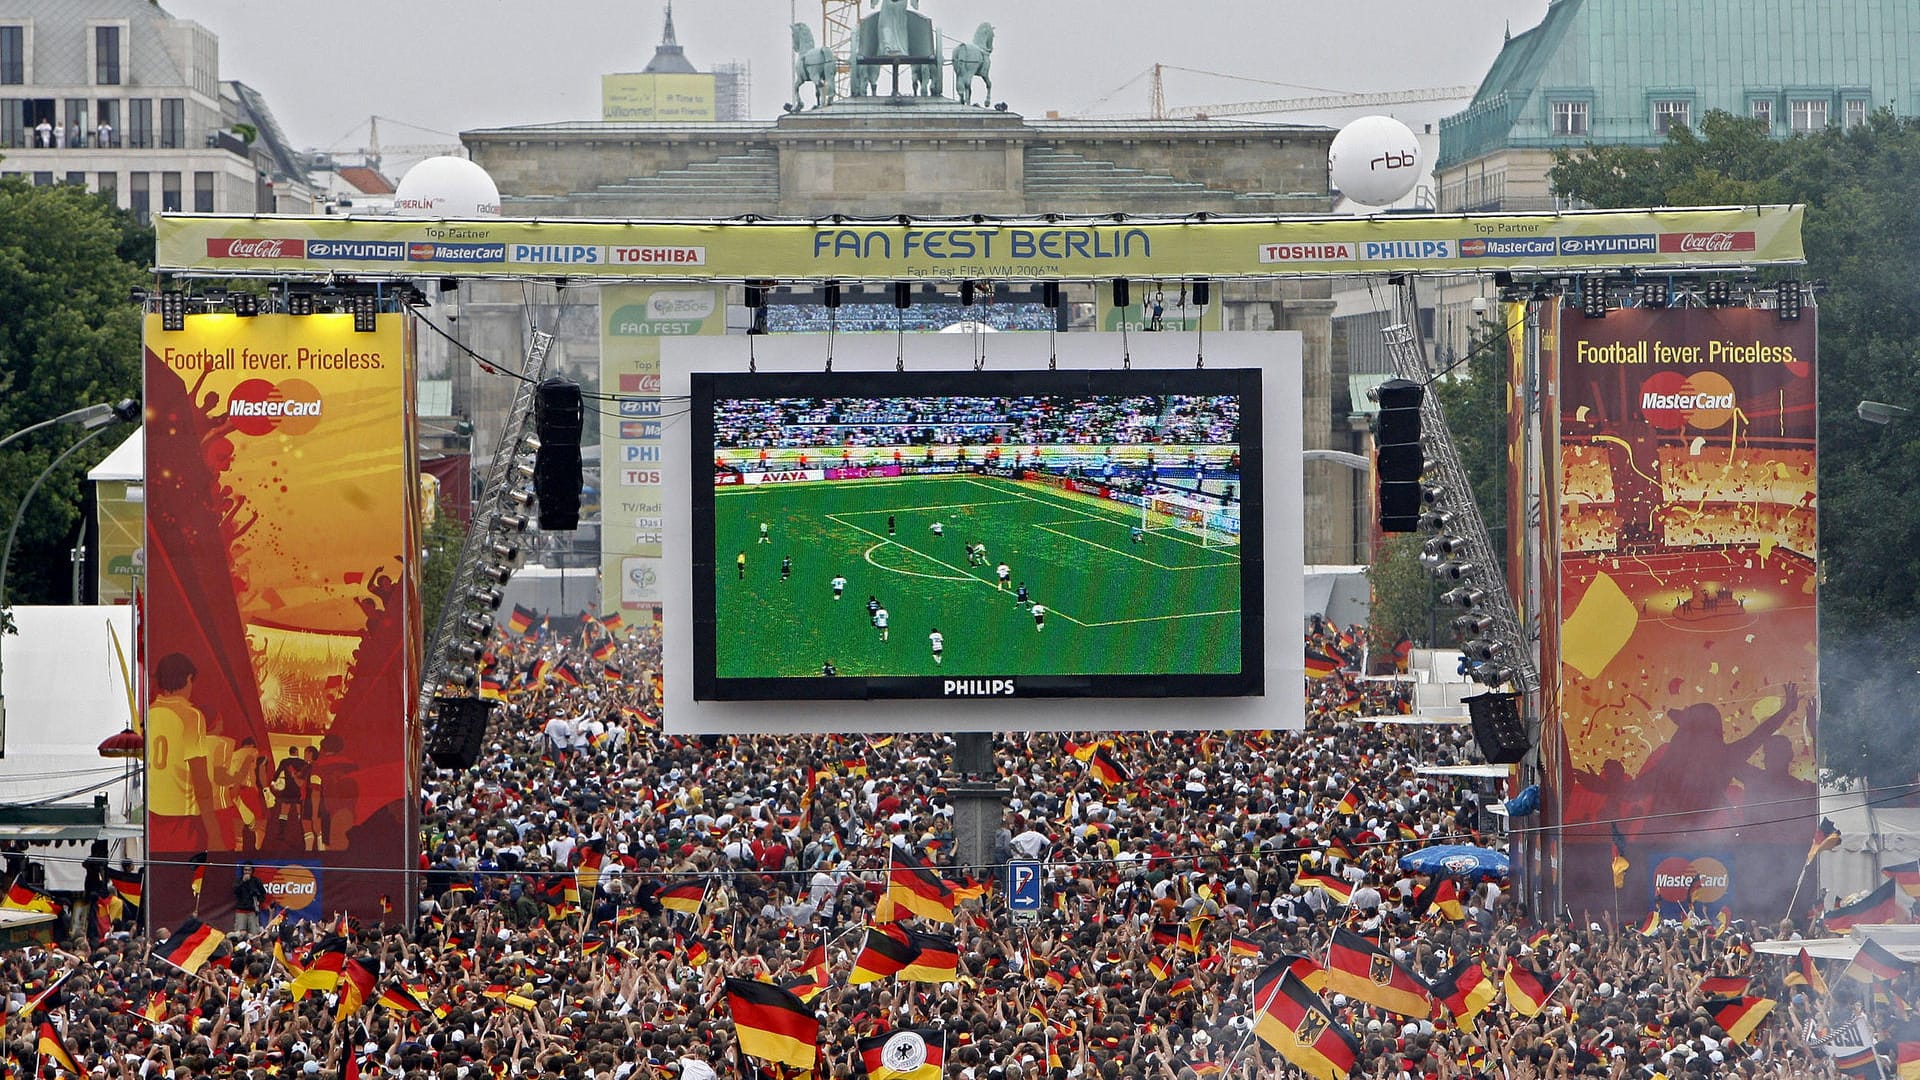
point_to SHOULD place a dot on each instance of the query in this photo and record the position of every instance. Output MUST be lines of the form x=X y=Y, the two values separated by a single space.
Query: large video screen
x=977 y=534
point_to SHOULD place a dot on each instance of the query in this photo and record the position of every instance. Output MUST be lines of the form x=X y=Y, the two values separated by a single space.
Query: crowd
x=921 y=318
x=1179 y=868
x=976 y=421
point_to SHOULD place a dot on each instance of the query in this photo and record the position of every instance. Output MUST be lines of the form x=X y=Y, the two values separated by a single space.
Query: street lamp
x=1879 y=412
x=95 y=419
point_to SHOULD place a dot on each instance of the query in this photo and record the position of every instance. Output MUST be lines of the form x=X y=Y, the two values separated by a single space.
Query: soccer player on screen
x=1020 y=595
x=839 y=585
x=937 y=529
x=889 y=524
x=828 y=670
x=873 y=607
x=1137 y=536
x=939 y=644
x=764 y=538
x=880 y=620
x=1005 y=573
x=786 y=567
x=741 y=564
x=1039 y=617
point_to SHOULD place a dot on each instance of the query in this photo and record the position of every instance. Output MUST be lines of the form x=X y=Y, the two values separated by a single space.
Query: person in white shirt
x=1005 y=574
x=559 y=733
x=880 y=620
x=839 y=585
x=939 y=643
x=1039 y=617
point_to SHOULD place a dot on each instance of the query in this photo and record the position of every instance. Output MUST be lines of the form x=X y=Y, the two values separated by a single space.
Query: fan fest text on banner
x=282 y=614
x=1688 y=638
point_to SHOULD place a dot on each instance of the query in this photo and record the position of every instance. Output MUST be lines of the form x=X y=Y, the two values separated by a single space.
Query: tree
x=1861 y=187
x=68 y=338
x=1404 y=593
x=443 y=540
x=1474 y=396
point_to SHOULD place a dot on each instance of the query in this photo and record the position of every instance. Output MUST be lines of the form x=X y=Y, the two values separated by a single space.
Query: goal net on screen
x=1205 y=520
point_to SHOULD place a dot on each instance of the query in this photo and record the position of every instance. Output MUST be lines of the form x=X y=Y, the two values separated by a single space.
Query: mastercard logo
x=291 y=887
x=291 y=407
x=1680 y=880
x=1702 y=401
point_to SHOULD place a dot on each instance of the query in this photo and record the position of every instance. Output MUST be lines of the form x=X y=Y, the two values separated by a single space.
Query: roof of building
x=62 y=40
x=287 y=163
x=366 y=180
x=669 y=58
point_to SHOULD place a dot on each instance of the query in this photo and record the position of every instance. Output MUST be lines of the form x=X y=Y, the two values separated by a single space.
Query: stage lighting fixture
x=1653 y=294
x=507 y=554
x=470 y=651
x=520 y=498
x=1593 y=296
x=1472 y=625
x=487 y=597
x=1456 y=571
x=478 y=626
x=499 y=575
x=1436 y=521
x=464 y=676
x=246 y=304
x=173 y=311
x=1464 y=597
x=1483 y=650
x=366 y=311
x=1493 y=674
x=1719 y=293
x=299 y=303
x=1444 y=546
x=512 y=523
x=1432 y=494
x=1787 y=301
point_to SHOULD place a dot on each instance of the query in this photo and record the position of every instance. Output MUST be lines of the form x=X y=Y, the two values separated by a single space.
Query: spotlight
x=470 y=651
x=506 y=553
x=1436 y=521
x=521 y=473
x=366 y=309
x=299 y=303
x=1464 y=597
x=499 y=575
x=1472 y=625
x=487 y=597
x=173 y=311
x=1456 y=571
x=1122 y=293
x=1432 y=494
x=1654 y=294
x=246 y=304
x=1786 y=301
x=477 y=626
x=1593 y=296
x=1444 y=546
x=1719 y=293
x=1493 y=674
x=520 y=498
x=1483 y=650
x=512 y=523
x=464 y=676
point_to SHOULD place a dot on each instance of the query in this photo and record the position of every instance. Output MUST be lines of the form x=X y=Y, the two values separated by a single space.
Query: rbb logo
x=291 y=407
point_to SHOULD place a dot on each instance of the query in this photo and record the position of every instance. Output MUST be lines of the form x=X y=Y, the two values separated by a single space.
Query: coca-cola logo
x=256 y=248
x=1706 y=243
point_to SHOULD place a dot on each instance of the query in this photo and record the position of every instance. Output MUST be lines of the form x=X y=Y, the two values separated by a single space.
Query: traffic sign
x=1024 y=891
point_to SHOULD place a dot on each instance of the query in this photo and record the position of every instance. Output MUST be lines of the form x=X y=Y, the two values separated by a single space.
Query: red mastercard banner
x=281 y=615
x=1687 y=638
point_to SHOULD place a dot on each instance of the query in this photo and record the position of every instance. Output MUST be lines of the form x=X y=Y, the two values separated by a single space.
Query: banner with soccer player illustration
x=1688 y=641
x=281 y=613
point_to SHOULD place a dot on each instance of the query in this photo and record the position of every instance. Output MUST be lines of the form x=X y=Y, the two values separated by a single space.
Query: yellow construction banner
x=1026 y=249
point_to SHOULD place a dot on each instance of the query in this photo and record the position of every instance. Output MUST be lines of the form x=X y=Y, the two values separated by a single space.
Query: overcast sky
x=454 y=65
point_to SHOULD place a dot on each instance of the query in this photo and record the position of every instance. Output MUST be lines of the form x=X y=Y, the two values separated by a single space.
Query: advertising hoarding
x=677 y=98
x=1688 y=640
x=281 y=614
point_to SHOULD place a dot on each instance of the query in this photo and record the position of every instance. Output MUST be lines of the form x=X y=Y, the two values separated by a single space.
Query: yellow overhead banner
x=1025 y=249
x=657 y=98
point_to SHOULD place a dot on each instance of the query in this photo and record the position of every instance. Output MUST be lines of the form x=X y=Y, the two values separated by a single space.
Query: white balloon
x=446 y=187
x=1375 y=161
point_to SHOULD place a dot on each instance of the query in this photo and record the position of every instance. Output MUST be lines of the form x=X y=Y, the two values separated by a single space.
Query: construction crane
x=1323 y=99
x=839 y=21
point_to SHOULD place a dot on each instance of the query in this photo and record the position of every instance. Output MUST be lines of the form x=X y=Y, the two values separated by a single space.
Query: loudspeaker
x=1398 y=457
x=556 y=484
x=1202 y=292
x=459 y=732
x=558 y=411
x=1498 y=728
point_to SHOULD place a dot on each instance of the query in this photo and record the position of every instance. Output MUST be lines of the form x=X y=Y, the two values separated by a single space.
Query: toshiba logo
x=1652 y=400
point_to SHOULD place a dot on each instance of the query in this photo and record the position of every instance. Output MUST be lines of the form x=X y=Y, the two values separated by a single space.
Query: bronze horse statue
x=971 y=59
x=814 y=64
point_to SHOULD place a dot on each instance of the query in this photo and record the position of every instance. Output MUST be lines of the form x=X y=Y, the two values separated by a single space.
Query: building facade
x=121 y=97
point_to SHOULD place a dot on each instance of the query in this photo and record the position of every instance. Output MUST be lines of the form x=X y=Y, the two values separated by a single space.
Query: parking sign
x=1024 y=891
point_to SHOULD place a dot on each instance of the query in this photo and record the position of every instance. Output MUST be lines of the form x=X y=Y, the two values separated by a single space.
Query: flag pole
x=1798 y=882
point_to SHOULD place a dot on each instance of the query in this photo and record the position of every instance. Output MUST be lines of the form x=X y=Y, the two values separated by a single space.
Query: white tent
x=128 y=462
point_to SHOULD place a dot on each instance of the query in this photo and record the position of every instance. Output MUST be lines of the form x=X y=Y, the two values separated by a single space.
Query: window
x=108 y=132
x=13 y=55
x=1569 y=118
x=203 y=193
x=79 y=128
x=43 y=178
x=1670 y=114
x=139 y=123
x=173 y=123
x=1856 y=112
x=13 y=130
x=106 y=55
x=170 y=192
x=139 y=196
x=1761 y=109
x=108 y=185
x=77 y=179
x=1808 y=114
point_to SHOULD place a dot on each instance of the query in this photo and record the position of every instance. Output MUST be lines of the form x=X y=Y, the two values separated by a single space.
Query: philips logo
x=1405 y=250
x=977 y=687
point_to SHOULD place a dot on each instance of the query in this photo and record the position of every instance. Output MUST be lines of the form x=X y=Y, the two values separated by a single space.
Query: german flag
x=1320 y=665
x=1336 y=888
x=491 y=688
x=1724 y=986
x=1879 y=906
x=685 y=895
x=697 y=953
x=1874 y=963
x=1294 y=1021
x=1366 y=972
x=1739 y=1016
x=155 y=1010
x=1350 y=802
x=1617 y=860
x=1188 y=940
x=322 y=973
x=1241 y=948
x=1082 y=751
x=356 y=984
x=772 y=1024
x=537 y=674
x=564 y=672
x=938 y=959
x=919 y=889
x=190 y=947
x=587 y=874
x=400 y=1000
x=855 y=766
x=129 y=885
x=23 y=897
x=1527 y=990
x=39 y=1001
x=806 y=987
x=614 y=623
x=886 y=951
x=1805 y=973
x=904 y=1055
x=522 y=620
x=1159 y=967
x=1165 y=934
x=1443 y=898
x=1304 y=968
x=1465 y=992
x=1906 y=876
x=1650 y=925
x=1181 y=987
x=1825 y=838
x=605 y=649
x=49 y=1047
x=1105 y=768
x=1906 y=1050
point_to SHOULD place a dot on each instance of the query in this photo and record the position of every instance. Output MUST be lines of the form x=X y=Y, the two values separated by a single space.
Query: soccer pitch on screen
x=1120 y=589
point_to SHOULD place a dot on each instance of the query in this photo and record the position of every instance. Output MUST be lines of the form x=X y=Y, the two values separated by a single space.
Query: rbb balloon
x=446 y=187
x=1375 y=161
